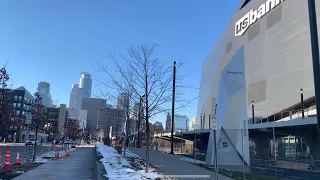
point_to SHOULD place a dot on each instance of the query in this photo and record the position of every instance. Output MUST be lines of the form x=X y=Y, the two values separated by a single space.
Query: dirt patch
x=138 y=164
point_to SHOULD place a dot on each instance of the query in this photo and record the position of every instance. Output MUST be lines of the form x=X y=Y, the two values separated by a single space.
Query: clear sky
x=54 y=41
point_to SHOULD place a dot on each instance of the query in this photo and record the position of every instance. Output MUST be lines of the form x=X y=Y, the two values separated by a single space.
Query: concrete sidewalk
x=79 y=166
x=176 y=168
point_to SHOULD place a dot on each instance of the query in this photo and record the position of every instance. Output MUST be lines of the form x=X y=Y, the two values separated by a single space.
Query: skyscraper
x=168 y=122
x=122 y=101
x=181 y=122
x=80 y=91
x=135 y=111
x=44 y=91
x=76 y=96
x=85 y=84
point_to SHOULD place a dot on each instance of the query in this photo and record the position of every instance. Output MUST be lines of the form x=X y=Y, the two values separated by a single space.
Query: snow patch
x=191 y=160
x=131 y=167
x=40 y=160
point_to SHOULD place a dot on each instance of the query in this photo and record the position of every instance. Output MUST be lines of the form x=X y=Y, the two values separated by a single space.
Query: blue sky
x=54 y=41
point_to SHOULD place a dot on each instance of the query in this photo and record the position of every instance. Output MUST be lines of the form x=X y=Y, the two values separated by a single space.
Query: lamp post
x=253 y=120
x=315 y=54
x=173 y=97
x=302 y=103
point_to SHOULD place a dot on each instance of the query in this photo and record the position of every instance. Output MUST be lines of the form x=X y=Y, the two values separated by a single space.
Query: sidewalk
x=173 y=167
x=78 y=166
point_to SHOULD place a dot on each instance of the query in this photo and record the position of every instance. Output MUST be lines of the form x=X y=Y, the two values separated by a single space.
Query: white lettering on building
x=251 y=17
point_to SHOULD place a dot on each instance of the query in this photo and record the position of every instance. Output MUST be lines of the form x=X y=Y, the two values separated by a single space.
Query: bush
x=106 y=141
x=119 y=148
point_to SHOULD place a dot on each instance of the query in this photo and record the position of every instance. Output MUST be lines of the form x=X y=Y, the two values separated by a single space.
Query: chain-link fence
x=288 y=152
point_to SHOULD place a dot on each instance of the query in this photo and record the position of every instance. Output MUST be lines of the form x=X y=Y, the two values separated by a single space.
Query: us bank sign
x=251 y=17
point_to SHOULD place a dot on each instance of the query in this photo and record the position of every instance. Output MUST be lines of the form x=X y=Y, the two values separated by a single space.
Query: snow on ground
x=40 y=160
x=187 y=159
x=50 y=154
x=191 y=160
x=86 y=145
x=130 y=168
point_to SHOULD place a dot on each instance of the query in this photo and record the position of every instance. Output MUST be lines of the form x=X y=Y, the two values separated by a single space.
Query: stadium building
x=262 y=57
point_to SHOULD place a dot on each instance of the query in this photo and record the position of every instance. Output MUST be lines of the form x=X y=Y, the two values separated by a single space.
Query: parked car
x=31 y=142
x=57 y=141
x=67 y=141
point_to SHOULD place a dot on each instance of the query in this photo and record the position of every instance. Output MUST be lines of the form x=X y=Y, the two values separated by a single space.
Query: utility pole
x=253 y=121
x=302 y=103
x=173 y=96
x=315 y=55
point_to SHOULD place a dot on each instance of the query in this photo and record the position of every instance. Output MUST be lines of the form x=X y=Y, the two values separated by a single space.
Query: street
x=24 y=151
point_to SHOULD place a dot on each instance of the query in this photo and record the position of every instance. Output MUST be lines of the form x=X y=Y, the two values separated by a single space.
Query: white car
x=31 y=142
x=67 y=141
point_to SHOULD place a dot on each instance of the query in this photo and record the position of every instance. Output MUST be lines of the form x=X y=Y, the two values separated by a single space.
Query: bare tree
x=73 y=129
x=38 y=117
x=146 y=76
x=120 y=87
x=7 y=113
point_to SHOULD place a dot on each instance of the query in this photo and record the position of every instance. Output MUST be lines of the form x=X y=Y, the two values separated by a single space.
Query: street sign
x=213 y=121
x=28 y=118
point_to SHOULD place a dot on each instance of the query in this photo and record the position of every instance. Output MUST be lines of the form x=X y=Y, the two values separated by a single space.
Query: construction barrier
x=25 y=159
x=7 y=159
x=57 y=155
x=17 y=158
x=69 y=152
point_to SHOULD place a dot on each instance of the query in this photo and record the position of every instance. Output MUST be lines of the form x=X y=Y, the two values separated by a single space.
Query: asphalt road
x=24 y=151
x=78 y=166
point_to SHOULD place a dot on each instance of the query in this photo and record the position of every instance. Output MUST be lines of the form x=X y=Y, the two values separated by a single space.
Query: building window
x=9 y=135
x=20 y=98
x=18 y=112
x=25 y=98
x=10 y=127
x=15 y=98
x=23 y=112
x=19 y=105
x=14 y=105
x=15 y=127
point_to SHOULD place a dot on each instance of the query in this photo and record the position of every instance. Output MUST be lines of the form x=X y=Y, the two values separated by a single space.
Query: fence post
x=274 y=151
x=195 y=146
x=243 y=170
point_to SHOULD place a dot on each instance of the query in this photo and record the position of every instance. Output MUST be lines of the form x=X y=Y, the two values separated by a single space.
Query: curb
x=99 y=170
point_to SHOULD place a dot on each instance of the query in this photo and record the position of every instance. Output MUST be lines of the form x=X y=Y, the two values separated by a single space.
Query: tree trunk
x=127 y=129
x=147 y=126
x=125 y=139
x=35 y=145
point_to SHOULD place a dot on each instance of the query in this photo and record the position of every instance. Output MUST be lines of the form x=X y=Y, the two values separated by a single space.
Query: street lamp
x=315 y=54
x=302 y=103
x=253 y=121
